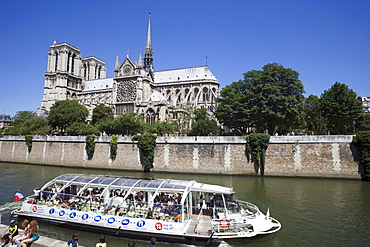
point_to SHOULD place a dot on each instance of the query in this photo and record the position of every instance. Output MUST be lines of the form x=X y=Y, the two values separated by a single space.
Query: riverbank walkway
x=42 y=241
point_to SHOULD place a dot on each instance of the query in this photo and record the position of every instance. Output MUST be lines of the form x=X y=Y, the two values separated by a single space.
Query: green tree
x=22 y=116
x=30 y=125
x=160 y=127
x=315 y=121
x=64 y=113
x=272 y=98
x=232 y=110
x=78 y=128
x=126 y=124
x=101 y=112
x=340 y=106
x=202 y=125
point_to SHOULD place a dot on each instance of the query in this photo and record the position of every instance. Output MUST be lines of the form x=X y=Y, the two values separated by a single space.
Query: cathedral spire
x=140 y=60
x=148 y=53
x=116 y=67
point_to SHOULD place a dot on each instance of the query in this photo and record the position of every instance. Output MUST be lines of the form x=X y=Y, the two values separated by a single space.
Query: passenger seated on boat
x=177 y=218
x=131 y=213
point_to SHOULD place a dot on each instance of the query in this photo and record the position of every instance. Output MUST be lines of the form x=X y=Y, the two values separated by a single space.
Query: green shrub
x=29 y=142
x=255 y=148
x=90 y=146
x=362 y=140
x=113 y=147
x=147 y=144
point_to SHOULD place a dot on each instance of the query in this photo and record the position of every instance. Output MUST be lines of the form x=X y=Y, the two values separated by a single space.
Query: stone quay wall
x=302 y=156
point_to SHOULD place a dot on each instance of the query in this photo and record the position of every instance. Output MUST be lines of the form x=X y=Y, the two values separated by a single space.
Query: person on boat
x=25 y=225
x=32 y=234
x=10 y=232
x=101 y=242
x=131 y=213
x=153 y=240
x=131 y=244
x=73 y=242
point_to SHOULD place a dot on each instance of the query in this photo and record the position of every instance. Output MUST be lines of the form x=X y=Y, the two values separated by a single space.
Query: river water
x=313 y=212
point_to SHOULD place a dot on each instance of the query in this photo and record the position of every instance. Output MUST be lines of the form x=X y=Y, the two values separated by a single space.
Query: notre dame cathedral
x=135 y=87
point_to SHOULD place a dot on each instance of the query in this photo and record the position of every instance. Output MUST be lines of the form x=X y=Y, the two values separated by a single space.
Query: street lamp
x=354 y=127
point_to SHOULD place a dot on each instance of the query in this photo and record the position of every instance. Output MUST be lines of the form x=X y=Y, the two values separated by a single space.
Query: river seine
x=313 y=212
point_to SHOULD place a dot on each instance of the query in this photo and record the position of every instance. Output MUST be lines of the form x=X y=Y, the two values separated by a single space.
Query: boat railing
x=197 y=223
x=249 y=210
x=224 y=225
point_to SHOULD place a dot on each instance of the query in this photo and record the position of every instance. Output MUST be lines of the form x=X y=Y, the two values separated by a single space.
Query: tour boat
x=170 y=210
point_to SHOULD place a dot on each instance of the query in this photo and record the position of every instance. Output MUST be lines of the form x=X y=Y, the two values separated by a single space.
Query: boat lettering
x=85 y=216
x=158 y=226
x=140 y=223
x=111 y=220
x=51 y=211
x=97 y=218
x=125 y=222
x=61 y=213
x=34 y=209
x=72 y=215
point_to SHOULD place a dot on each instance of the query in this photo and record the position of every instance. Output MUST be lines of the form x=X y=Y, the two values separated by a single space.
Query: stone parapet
x=302 y=156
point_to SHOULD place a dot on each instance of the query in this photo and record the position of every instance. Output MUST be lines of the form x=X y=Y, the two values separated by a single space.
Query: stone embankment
x=301 y=156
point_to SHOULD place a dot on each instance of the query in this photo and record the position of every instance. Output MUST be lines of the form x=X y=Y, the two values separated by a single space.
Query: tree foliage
x=100 y=113
x=362 y=140
x=64 y=113
x=126 y=124
x=232 y=110
x=113 y=147
x=147 y=144
x=160 y=127
x=315 y=121
x=90 y=146
x=202 y=125
x=267 y=99
x=78 y=128
x=255 y=149
x=28 y=125
x=340 y=106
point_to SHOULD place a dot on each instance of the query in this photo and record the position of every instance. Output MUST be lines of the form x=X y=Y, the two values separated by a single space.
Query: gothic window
x=150 y=116
x=85 y=71
x=69 y=56
x=126 y=91
x=56 y=62
x=205 y=94
x=73 y=64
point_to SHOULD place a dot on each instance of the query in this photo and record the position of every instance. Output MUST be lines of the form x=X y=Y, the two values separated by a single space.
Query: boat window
x=231 y=204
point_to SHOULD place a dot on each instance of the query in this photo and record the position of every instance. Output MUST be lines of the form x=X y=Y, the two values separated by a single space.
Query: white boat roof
x=144 y=184
x=99 y=84
x=185 y=74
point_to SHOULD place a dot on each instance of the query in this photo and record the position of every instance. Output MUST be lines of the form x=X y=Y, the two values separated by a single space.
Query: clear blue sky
x=325 y=41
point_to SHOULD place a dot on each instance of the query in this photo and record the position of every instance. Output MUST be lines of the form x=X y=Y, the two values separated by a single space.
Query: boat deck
x=203 y=228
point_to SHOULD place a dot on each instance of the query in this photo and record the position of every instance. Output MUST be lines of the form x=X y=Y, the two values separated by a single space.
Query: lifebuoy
x=224 y=223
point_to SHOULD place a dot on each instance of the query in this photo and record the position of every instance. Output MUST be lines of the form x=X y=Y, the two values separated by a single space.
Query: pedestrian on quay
x=10 y=232
x=73 y=242
x=101 y=242
x=153 y=240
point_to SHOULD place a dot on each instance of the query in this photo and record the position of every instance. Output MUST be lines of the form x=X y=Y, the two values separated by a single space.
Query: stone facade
x=135 y=87
x=301 y=156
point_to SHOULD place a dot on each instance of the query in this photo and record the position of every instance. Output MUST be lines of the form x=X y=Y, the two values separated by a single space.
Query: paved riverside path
x=42 y=241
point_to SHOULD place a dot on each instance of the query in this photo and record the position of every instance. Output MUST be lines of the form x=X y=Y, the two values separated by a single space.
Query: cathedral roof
x=100 y=84
x=156 y=97
x=185 y=74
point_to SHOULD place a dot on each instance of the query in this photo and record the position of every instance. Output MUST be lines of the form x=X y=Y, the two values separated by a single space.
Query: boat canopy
x=132 y=183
